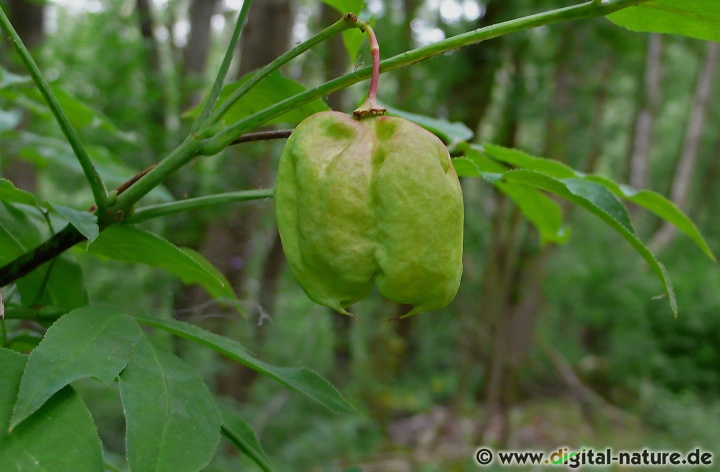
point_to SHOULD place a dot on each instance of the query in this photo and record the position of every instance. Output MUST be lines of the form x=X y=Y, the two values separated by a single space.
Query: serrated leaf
x=593 y=200
x=60 y=437
x=694 y=18
x=134 y=245
x=272 y=89
x=171 y=417
x=450 y=132
x=83 y=221
x=87 y=342
x=301 y=379
x=11 y=194
x=238 y=430
x=660 y=206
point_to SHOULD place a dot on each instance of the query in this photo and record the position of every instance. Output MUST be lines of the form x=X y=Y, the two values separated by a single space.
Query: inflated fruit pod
x=370 y=200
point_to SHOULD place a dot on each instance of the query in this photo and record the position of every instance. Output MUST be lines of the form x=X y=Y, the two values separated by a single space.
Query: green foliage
x=172 y=418
x=271 y=90
x=303 y=380
x=134 y=245
x=60 y=436
x=694 y=18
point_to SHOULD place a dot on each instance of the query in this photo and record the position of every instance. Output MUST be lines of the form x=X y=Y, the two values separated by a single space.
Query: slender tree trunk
x=196 y=51
x=685 y=170
x=641 y=146
x=155 y=93
x=267 y=35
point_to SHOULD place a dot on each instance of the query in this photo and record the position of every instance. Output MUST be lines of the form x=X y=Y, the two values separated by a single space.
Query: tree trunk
x=639 y=160
x=196 y=51
x=155 y=92
x=685 y=171
x=267 y=35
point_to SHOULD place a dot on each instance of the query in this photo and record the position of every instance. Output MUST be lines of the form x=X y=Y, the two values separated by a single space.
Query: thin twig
x=263 y=136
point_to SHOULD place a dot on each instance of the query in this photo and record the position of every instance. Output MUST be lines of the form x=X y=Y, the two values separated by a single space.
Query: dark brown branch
x=263 y=136
x=53 y=247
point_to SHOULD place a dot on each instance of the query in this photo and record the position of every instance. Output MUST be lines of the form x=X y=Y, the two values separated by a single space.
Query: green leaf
x=660 y=206
x=353 y=39
x=522 y=160
x=269 y=91
x=134 y=245
x=60 y=437
x=80 y=115
x=647 y=199
x=694 y=18
x=83 y=221
x=22 y=228
x=450 y=132
x=11 y=194
x=239 y=431
x=542 y=211
x=87 y=342
x=600 y=202
x=171 y=417
x=62 y=288
x=346 y=6
x=301 y=379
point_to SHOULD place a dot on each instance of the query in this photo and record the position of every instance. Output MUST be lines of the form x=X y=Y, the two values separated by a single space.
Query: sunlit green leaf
x=523 y=160
x=134 y=245
x=59 y=437
x=695 y=18
x=87 y=342
x=172 y=421
x=301 y=379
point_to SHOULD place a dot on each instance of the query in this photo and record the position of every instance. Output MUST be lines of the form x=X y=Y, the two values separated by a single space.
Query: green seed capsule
x=368 y=201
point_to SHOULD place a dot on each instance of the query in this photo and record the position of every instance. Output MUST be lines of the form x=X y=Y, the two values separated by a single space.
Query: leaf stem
x=370 y=106
x=178 y=158
x=94 y=180
x=584 y=10
x=163 y=209
x=346 y=22
x=224 y=67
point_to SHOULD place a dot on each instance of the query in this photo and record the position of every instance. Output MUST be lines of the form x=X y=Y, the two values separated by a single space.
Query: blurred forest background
x=544 y=346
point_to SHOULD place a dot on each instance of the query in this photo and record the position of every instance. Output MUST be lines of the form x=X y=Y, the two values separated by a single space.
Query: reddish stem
x=370 y=106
